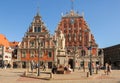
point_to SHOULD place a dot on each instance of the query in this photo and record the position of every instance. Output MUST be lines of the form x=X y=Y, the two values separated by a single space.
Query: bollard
x=83 y=68
x=25 y=73
x=87 y=74
x=96 y=71
x=51 y=75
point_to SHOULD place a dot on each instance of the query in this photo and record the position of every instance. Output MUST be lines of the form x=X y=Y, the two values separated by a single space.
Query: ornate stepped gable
x=76 y=31
x=37 y=25
x=36 y=36
x=36 y=30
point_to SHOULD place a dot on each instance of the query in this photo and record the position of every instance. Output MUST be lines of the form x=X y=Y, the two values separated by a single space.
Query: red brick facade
x=77 y=32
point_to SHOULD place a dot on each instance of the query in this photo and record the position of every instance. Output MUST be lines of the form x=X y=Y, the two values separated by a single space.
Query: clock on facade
x=72 y=21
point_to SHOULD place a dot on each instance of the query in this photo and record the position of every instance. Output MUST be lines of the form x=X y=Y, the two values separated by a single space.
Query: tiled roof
x=13 y=44
x=4 y=41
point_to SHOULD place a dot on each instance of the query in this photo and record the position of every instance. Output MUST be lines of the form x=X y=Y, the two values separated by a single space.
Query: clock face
x=71 y=20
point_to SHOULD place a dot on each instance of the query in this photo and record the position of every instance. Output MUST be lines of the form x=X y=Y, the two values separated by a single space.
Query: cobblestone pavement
x=14 y=76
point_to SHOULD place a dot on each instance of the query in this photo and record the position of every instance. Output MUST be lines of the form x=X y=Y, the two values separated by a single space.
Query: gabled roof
x=38 y=24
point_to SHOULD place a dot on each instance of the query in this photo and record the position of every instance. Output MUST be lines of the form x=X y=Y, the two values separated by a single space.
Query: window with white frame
x=32 y=44
x=41 y=54
x=75 y=37
x=23 y=54
x=32 y=53
x=69 y=36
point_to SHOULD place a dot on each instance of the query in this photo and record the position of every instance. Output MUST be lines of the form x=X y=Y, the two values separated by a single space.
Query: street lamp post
x=74 y=51
x=90 y=48
x=38 y=58
x=1 y=55
x=74 y=62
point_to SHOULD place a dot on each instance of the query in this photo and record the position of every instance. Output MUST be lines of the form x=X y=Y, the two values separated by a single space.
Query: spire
x=37 y=16
x=72 y=13
x=38 y=12
x=38 y=8
x=72 y=4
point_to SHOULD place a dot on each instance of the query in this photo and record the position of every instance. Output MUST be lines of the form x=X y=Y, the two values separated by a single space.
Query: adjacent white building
x=5 y=51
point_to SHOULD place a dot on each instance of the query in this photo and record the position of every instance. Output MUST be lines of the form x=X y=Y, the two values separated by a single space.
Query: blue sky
x=102 y=16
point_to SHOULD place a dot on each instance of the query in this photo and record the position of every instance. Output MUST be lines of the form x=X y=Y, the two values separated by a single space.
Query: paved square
x=14 y=76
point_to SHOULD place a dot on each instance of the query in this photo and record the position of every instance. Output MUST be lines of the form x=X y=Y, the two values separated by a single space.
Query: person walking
x=107 y=69
x=44 y=67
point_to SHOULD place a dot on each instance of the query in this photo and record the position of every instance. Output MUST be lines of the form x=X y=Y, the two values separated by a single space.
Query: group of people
x=107 y=68
x=35 y=65
x=5 y=66
x=66 y=68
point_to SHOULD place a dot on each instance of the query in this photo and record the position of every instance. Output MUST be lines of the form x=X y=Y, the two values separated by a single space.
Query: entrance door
x=71 y=63
x=23 y=64
x=49 y=64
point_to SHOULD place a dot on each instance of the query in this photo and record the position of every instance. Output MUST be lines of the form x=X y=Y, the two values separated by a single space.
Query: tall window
x=32 y=54
x=80 y=36
x=23 y=54
x=39 y=29
x=32 y=44
x=65 y=35
x=35 y=29
x=24 y=44
x=42 y=44
x=50 y=54
x=83 y=53
x=75 y=37
x=69 y=37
